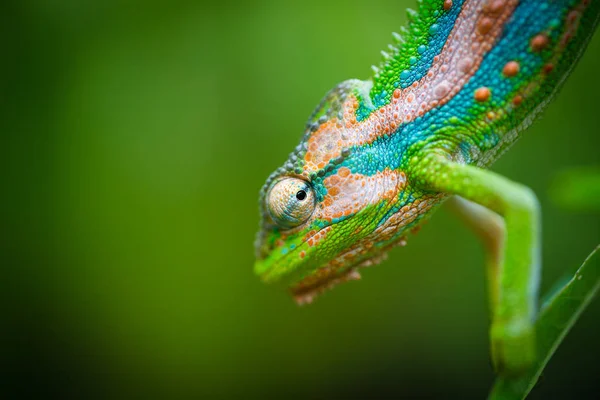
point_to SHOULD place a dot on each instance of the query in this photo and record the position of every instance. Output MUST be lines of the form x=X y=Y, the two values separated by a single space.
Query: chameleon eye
x=290 y=202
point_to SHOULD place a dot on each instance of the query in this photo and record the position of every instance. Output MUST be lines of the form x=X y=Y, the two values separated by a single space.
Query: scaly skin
x=378 y=156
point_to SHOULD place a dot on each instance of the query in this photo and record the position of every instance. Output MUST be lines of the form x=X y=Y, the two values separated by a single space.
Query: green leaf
x=557 y=315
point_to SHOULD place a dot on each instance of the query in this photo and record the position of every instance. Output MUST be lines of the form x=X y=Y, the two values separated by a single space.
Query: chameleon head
x=332 y=207
x=308 y=242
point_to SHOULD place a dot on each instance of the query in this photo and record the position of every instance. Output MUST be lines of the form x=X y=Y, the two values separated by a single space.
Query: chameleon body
x=456 y=90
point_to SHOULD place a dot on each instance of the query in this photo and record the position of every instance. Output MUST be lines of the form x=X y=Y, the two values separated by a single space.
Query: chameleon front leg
x=516 y=285
x=491 y=230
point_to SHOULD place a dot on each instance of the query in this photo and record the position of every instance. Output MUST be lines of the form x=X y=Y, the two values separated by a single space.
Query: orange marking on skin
x=511 y=69
x=485 y=25
x=482 y=94
x=539 y=42
x=494 y=6
x=573 y=17
x=517 y=100
x=447 y=5
x=347 y=191
x=323 y=144
x=548 y=68
x=343 y=172
x=572 y=23
x=302 y=254
x=320 y=235
x=565 y=39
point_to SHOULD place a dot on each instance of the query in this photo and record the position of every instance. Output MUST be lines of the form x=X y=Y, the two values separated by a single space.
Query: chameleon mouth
x=271 y=262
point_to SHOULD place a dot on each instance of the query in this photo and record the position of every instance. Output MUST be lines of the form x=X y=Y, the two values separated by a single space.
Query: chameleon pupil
x=301 y=195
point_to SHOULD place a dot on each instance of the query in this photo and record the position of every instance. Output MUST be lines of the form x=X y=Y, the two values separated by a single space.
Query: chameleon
x=455 y=90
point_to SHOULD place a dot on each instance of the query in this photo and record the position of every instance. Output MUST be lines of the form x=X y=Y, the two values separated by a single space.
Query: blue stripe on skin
x=438 y=36
x=531 y=17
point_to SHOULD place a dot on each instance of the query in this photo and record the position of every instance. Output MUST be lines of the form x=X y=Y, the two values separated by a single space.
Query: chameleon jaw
x=308 y=289
x=307 y=295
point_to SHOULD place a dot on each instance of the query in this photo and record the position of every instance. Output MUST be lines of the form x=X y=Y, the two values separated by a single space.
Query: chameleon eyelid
x=284 y=206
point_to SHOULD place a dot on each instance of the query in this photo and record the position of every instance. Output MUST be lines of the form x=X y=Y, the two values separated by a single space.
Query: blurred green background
x=136 y=137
